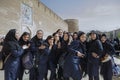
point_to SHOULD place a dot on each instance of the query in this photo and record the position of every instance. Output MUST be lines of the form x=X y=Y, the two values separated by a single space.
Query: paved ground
x=26 y=76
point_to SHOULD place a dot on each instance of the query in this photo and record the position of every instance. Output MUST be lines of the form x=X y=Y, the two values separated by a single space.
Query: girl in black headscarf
x=75 y=36
x=40 y=51
x=67 y=38
x=13 y=51
x=95 y=50
x=76 y=54
x=82 y=49
x=24 y=42
x=52 y=57
x=106 y=63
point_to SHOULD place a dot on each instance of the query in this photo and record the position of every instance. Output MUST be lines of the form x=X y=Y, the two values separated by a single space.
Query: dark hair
x=24 y=34
x=48 y=38
x=39 y=30
x=103 y=35
x=54 y=38
x=75 y=33
x=93 y=32
x=10 y=36
x=54 y=34
x=67 y=34
x=80 y=34
x=58 y=30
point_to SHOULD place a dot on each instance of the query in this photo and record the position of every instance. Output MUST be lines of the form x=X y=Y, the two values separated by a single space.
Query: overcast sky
x=103 y=15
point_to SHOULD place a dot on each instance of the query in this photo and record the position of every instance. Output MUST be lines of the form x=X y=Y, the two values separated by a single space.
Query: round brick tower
x=73 y=25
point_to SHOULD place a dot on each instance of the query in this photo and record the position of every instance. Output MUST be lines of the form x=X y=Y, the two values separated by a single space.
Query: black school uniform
x=106 y=66
x=72 y=62
x=62 y=54
x=52 y=65
x=94 y=46
x=21 y=71
x=12 y=49
x=40 y=59
x=83 y=61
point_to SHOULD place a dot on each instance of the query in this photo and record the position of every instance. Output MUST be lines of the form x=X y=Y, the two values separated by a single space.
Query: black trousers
x=93 y=71
x=21 y=72
x=72 y=69
x=33 y=74
x=52 y=67
x=60 y=73
x=106 y=70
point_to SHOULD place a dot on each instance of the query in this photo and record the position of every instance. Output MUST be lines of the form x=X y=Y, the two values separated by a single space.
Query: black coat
x=108 y=49
x=14 y=50
x=40 y=55
x=77 y=46
x=71 y=66
x=53 y=54
x=64 y=50
x=40 y=59
x=21 y=43
x=35 y=44
x=94 y=46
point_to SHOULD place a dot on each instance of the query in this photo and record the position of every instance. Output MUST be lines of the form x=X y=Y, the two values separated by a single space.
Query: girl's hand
x=28 y=45
x=95 y=55
x=80 y=54
x=51 y=44
x=25 y=47
x=59 y=45
x=70 y=40
x=42 y=47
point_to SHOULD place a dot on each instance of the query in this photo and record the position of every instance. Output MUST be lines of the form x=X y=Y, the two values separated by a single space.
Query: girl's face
x=66 y=37
x=56 y=37
x=26 y=37
x=93 y=36
x=50 y=41
x=103 y=39
x=60 y=32
x=83 y=38
x=17 y=36
x=40 y=35
x=75 y=36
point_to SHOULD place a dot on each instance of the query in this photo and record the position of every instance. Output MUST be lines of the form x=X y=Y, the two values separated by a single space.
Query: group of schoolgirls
x=66 y=55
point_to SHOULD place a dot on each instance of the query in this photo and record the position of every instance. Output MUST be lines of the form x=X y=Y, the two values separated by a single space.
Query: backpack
x=27 y=61
x=115 y=68
x=3 y=59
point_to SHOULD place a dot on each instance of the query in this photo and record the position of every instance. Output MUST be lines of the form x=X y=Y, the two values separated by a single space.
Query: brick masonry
x=42 y=17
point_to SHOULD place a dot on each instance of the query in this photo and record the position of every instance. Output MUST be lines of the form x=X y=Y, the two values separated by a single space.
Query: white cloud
x=101 y=17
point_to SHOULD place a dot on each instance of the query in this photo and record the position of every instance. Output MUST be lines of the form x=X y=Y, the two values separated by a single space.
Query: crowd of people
x=65 y=54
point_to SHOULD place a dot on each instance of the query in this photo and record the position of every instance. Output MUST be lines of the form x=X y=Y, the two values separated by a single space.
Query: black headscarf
x=37 y=41
x=35 y=38
x=82 y=44
x=11 y=42
x=94 y=32
x=80 y=33
x=21 y=41
x=11 y=36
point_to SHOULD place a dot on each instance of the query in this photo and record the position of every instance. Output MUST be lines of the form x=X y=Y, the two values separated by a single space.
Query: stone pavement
x=117 y=61
x=26 y=76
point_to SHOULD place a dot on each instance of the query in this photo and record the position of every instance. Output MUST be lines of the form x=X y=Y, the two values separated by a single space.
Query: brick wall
x=42 y=17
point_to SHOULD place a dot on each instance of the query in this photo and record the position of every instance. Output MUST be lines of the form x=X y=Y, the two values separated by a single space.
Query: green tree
x=118 y=35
